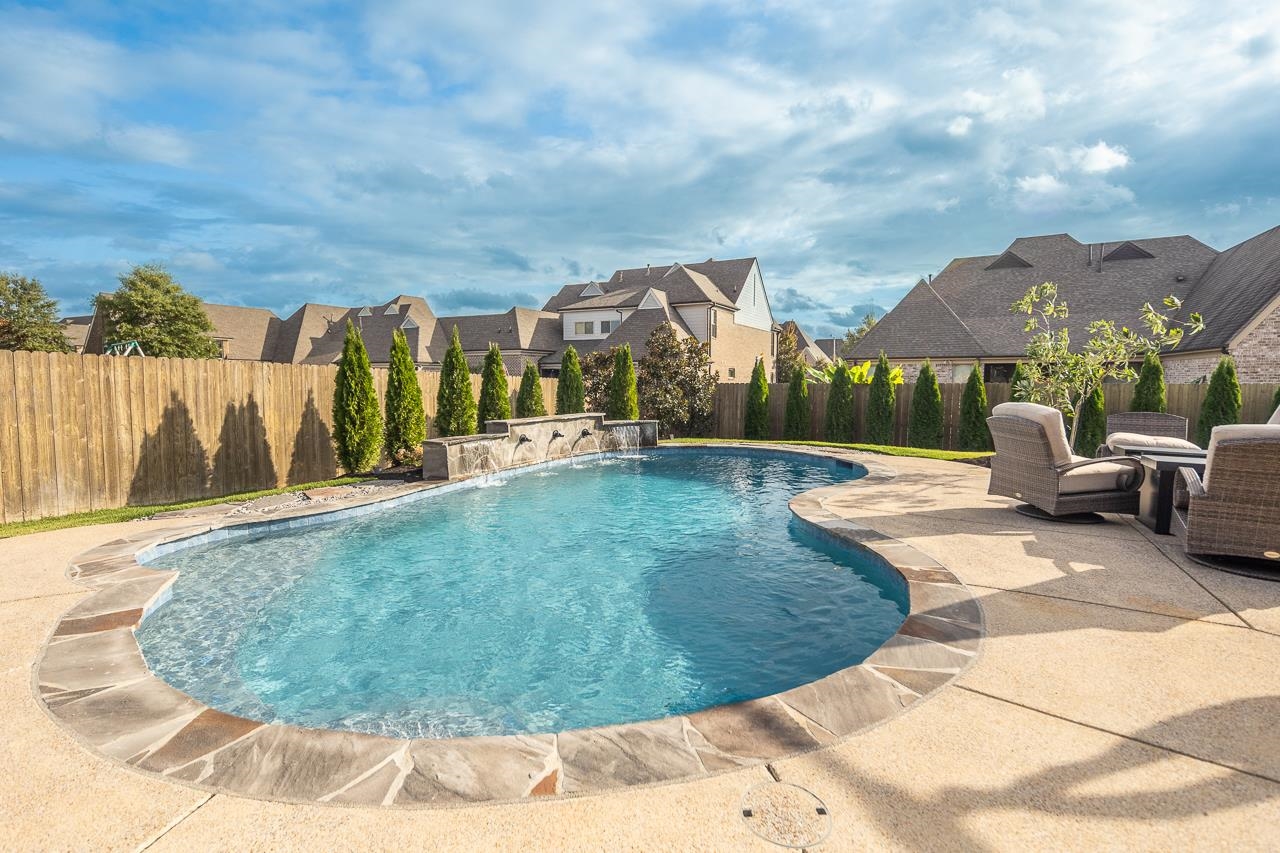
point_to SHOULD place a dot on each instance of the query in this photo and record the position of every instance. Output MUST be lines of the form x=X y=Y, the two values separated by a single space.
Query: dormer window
x=365 y=312
x=591 y=289
x=391 y=309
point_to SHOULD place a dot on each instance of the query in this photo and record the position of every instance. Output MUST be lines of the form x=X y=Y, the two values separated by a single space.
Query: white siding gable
x=591 y=289
x=697 y=318
x=650 y=300
x=570 y=319
x=753 y=303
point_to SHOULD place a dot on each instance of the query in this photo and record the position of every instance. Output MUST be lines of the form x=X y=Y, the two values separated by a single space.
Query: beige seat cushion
x=1048 y=417
x=1233 y=431
x=1134 y=439
x=1102 y=476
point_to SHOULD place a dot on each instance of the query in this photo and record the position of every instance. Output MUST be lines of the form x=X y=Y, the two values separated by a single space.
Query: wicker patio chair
x=1154 y=429
x=1034 y=464
x=1234 y=509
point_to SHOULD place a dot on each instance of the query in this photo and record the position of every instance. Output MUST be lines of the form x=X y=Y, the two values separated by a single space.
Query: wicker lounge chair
x=1034 y=463
x=1234 y=510
x=1151 y=429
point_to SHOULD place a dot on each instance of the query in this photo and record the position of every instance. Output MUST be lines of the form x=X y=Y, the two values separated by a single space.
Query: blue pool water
x=613 y=590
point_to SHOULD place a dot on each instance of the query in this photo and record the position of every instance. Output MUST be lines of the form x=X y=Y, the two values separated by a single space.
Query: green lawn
x=129 y=513
x=887 y=450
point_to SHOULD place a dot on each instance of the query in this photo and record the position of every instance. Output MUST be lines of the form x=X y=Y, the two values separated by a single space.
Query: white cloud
x=1020 y=98
x=943 y=205
x=1100 y=157
x=149 y=143
x=1042 y=184
x=959 y=126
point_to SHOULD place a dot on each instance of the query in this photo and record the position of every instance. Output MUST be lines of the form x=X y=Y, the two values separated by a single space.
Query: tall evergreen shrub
x=1275 y=401
x=455 y=403
x=1222 y=401
x=571 y=394
x=840 y=405
x=881 y=400
x=529 y=399
x=1021 y=376
x=1149 y=393
x=973 y=434
x=924 y=424
x=406 y=420
x=357 y=425
x=796 y=425
x=624 y=403
x=1092 y=433
x=757 y=421
x=495 y=394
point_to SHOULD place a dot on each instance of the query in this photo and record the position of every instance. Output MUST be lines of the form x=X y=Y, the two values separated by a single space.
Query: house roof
x=1238 y=284
x=634 y=330
x=250 y=334
x=805 y=343
x=76 y=330
x=314 y=333
x=964 y=311
x=517 y=329
x=717 y=282
x=830 y=346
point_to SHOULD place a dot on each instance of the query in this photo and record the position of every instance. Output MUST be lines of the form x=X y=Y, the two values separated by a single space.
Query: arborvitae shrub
x=796 y=425
x=1222 y=401
x=973 y=434
x=529 y=399
x=571 y=395
x=623 y=403
x=1021 y=375
x=1092 y=432
x=406 y=420
x=881 y=400
x=925 y=425
x=840 y=406
x=357 y=424
x=455 y=404
x=1149 y=393
x=757 y=420
x=495 y=394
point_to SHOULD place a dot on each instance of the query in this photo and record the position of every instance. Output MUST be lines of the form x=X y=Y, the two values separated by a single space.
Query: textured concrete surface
x=1124 y=699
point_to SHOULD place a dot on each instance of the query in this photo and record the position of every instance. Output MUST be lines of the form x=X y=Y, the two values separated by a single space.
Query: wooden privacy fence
x=731 y=407
x=87 y=432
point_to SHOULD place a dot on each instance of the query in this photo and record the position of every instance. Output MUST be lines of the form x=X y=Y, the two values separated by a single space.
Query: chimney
x=931 y=278
x=1102 y=247
x=646 y=270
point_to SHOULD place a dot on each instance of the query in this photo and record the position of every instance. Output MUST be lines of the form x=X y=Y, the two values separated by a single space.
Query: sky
x=483 y=154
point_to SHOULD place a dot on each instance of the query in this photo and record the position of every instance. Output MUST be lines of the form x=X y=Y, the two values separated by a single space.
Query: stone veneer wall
x=1258 y=355
x=1183 y=369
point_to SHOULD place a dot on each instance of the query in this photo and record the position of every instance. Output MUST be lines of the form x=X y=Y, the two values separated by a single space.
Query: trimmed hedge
x=757 y=420
x=796 y=425
x=881 y=399
x=973 y=433
x=840 y=406
x=357 y=424
x=529 y=403
x=624 y=402
x=495 y=394
x=1222 y=402
x=925 y=421
x=1149 y=394
x=406 y=419
x=571 y=393
x=455 y=405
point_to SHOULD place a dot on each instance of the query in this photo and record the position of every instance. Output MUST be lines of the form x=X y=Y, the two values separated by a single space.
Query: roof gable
x=1008 y=261
x=1127 y=251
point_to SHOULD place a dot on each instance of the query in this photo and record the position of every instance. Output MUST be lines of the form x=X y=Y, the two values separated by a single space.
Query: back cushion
x=1048 y=417
x=1233 y=431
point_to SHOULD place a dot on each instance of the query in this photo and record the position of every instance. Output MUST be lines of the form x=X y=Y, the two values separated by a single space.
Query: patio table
x=1155 y=498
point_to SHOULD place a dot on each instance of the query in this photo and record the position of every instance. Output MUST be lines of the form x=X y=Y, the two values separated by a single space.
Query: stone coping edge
x=91 y=678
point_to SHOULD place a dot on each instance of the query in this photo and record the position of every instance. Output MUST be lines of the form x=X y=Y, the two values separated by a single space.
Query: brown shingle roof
x=250 y=334
x=718 y=282
x=1237 y=285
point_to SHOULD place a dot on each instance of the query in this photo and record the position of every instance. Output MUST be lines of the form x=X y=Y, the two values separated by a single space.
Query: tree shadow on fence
x=172 y=463
x=243 y=462
x=313 y=459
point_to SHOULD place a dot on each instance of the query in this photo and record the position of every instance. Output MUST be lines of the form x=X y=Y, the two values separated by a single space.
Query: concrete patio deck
x=1125 y=698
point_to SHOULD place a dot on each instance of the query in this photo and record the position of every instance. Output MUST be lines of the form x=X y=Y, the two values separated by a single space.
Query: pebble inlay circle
x=786 y=815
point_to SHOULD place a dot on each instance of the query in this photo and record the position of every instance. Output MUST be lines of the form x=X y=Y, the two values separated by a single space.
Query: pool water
x=612 y=590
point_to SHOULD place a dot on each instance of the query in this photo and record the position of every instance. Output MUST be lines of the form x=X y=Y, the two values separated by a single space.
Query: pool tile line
x=91 y=678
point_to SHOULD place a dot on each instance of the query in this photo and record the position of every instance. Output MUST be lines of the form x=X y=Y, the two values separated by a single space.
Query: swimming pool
x=614 y=589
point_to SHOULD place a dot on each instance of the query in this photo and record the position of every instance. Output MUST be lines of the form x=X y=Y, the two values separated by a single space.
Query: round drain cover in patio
x=786 y=815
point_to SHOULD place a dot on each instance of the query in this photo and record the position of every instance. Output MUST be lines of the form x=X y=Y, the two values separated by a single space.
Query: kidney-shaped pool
x=615 y=589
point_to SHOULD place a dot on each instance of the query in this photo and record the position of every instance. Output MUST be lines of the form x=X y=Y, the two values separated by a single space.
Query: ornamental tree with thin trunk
x=796 y=425
x=1222 y=402
x=757 y=421
x=973 y=433
x=455 y=403
x=570 y=392
x=1149 y=393
x=406 y=419
x=881 y=402
x=924 y=425
x=495 y=394
x=623 y=402
x=840 y=405
x=357 y=425
x=529 y=399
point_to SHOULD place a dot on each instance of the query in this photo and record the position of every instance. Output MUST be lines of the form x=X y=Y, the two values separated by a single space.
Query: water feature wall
x=522 y=441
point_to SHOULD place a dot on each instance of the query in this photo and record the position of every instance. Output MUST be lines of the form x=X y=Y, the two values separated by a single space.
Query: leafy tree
x=1063 y=376
x=881 y=403
x=840 y=405
x=1149 y=393
x=1020 y=384
x=455 y=404
x=151 y=308
x=925 y=421
x=1092 y=429
x=597 y=374
x=859 y=374
x=788 y=360
x=757 y=421
x=852 y=336
x=357 y=425
x=796 y=425
x=28 y=317
x=570 y=394
x=660 y=394
x=529 y=402
x=406 y=419
x=495 y=395
x=623 y=402
x=698 y=384
x=974 y=434
x=1221 y=402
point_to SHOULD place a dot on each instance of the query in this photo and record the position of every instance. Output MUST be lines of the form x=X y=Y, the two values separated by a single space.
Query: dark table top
x=1144 y=450
x=1163 y=462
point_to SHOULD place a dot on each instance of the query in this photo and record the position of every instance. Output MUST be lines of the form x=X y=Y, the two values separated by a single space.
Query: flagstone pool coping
x=91 y=677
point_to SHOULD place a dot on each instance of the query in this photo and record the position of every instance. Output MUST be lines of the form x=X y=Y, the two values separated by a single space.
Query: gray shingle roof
x=250 y=333
x=709 y=281
x=1237 y=285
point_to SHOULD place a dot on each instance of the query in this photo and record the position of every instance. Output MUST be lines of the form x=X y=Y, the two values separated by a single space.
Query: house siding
x=738 y=346
x=697 y=318
x=594 y=316
x=753 y=304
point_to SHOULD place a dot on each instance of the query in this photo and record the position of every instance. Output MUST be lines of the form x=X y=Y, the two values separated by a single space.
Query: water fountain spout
x=584 y=433
x=555 y=433
x=524 y=439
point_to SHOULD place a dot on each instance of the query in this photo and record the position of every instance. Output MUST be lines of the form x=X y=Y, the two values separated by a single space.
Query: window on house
x=584 y=328
x=607 y=326
x=715 y=327
x=733 y=373
x=773 y=344
x=223 y=349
